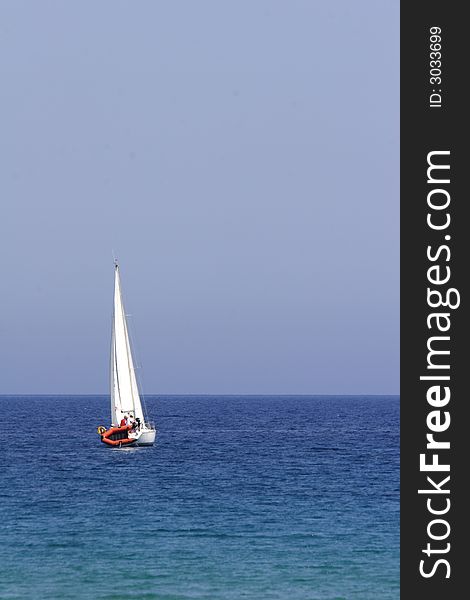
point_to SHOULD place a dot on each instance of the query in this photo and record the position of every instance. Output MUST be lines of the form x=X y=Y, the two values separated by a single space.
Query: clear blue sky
x=240 y=158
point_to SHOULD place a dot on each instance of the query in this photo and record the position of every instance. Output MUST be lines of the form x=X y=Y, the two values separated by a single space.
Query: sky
x=239 y=158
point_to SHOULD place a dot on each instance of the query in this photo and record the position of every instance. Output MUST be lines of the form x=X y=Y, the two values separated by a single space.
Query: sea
x=242 y=497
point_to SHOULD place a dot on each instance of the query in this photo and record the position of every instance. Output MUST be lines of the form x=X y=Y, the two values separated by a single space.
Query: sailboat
x=126 y=403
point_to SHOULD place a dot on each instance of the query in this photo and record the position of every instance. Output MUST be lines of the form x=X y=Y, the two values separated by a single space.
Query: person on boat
x=123 y=422
x=132 y=422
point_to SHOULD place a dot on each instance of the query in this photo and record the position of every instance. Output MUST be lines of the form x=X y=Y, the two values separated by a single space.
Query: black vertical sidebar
x=434 y=119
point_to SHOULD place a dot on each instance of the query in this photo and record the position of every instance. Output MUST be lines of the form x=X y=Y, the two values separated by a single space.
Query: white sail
x=124 y=392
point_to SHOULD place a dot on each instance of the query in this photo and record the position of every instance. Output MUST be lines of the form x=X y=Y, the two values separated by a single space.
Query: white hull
x=146 y=437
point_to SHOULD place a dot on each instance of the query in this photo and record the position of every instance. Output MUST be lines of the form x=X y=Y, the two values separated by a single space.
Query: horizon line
x=201 y=394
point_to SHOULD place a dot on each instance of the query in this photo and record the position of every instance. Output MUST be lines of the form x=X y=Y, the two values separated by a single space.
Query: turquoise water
x=292 y=498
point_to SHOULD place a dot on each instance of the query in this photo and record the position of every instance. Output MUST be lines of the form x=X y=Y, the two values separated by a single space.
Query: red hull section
x=117 y=436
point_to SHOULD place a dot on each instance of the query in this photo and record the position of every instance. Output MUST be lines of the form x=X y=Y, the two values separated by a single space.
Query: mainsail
x=124 y=392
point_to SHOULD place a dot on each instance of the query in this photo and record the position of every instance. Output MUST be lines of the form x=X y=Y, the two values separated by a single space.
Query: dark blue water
x=292 y=498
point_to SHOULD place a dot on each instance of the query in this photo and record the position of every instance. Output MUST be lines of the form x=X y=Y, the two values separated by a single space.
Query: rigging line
x=139 y=374
x=128 y=349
